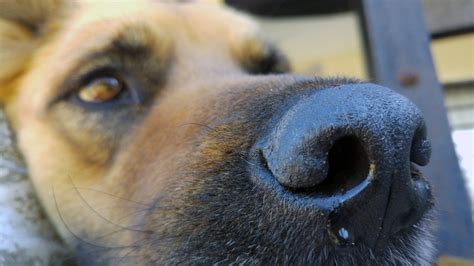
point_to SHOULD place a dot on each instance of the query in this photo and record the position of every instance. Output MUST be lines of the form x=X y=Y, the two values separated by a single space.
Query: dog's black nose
x=351 y=151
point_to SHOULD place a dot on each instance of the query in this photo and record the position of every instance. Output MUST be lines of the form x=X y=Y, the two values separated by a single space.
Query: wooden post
x=398 y=56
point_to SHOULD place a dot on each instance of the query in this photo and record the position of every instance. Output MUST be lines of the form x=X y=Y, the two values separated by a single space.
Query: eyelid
x=128 y=96
x=101 y=73
x=80 y=78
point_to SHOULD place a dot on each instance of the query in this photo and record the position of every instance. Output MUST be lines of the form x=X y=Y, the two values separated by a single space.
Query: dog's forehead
x=94 y=25
x=195 y=17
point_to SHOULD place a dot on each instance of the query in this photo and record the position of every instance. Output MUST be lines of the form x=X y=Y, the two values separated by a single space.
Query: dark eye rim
x=128 y=96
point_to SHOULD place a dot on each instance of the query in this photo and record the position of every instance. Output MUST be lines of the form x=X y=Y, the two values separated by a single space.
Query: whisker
x=243 y=157
x=71 y=231
x=127 y=255
x=107 y=258
x=100 y=215
x=112 y=195
x=196 y=124
x=131 y=213
x=109 y=234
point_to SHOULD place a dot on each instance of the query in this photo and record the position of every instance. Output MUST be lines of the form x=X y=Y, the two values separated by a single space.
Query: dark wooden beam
x=444 y=17
x=278 y=8
x=398 y=56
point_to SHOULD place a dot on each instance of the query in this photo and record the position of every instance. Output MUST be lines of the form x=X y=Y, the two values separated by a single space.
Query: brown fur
x=43 y=42
x=121 y=182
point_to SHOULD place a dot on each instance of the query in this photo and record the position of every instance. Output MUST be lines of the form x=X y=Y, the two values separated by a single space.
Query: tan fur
x=43 y=42
x=172 y=170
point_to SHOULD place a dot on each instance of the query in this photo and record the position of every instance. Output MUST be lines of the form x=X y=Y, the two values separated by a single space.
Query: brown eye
x=101 y=90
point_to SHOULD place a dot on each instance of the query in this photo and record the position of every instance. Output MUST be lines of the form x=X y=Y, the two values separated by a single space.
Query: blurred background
x=423 y=49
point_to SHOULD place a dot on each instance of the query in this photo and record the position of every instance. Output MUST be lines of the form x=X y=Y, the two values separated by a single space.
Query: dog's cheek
x=94 y=134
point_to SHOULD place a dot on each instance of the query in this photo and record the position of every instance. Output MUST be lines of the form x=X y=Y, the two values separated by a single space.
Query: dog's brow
x=133 y=43
x=132 y=40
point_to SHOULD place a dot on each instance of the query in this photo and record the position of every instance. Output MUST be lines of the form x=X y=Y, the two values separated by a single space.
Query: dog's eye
x=101 y=90
x=104 y=91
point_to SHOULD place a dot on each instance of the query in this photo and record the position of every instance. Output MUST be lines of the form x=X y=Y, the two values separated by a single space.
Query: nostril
x=348 y=167
x=348 y=164
x=420 y=147
x=346 y=152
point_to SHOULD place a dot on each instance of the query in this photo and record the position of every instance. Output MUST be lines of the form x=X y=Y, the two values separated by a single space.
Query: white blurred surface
x=464 y=144
x=26 y=236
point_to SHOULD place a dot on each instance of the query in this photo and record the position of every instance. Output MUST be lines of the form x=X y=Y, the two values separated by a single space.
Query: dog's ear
x=22 y=27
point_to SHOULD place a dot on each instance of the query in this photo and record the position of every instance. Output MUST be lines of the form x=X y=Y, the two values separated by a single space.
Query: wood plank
x=447 y=17
x=444 y=17
x=398 y=55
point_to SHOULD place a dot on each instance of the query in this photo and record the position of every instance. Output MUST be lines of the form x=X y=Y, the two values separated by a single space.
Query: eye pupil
x=101 y=90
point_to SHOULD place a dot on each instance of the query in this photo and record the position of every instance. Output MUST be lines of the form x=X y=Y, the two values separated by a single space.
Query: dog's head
x=162 y=132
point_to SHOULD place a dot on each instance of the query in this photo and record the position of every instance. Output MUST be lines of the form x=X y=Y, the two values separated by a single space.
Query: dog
x=167 y=133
